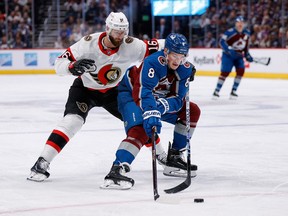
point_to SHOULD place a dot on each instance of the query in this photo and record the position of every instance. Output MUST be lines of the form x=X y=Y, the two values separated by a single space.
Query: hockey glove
x=81 y=66
x=152 y=118
x=193 y=73
x=248 y=57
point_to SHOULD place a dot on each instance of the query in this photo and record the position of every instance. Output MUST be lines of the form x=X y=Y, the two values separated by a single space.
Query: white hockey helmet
x=117 y=21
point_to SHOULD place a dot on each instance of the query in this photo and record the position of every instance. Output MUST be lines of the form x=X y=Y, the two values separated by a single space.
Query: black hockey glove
x=248 y=57
x=81 y=66
x=193 y=73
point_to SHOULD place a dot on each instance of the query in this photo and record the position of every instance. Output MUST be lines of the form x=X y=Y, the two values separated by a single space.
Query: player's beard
x=116 y=43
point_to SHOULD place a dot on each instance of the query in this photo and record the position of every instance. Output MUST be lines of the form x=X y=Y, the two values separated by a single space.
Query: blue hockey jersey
x=154 y=80
x=236 y=40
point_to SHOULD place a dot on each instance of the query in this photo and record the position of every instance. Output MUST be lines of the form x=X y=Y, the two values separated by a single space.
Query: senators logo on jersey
x=107 y=75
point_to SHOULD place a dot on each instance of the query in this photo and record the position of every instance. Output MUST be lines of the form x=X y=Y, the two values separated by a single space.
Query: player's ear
x=165 y=51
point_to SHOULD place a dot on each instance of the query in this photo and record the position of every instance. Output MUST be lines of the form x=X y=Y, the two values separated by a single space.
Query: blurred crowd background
x=60 y=23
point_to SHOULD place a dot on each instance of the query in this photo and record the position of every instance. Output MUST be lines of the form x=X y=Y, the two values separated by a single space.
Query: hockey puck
x=198 y=200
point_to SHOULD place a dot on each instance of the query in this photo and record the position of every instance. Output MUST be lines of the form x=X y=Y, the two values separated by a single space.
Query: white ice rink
x=240 y=147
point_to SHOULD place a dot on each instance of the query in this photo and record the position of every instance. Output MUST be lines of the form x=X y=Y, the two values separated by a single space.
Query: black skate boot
x=162 y=158
x=215 y=95
x=233 y=95
x=39 y=170
x=176 y=165
x=115 y=178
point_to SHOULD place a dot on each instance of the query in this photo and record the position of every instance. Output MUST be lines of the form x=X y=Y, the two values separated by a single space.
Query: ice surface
x=240 y=147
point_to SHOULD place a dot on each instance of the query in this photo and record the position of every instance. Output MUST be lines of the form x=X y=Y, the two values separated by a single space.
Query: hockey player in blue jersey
x=152 y=93
x=235 y=44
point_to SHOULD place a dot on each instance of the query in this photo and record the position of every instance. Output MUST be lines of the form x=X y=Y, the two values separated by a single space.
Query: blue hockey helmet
x=239 y=19
x=177 y=43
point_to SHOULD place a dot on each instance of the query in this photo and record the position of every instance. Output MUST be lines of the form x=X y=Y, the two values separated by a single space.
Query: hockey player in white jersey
x=99 y=62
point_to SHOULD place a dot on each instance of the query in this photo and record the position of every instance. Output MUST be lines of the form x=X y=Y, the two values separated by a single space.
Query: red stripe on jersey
x=152 y=46
x=54 y=145
x=134 y=76
x=71 y=56
x=103 y=73
x=102 y=48
x=68 y=55
x=61 y=134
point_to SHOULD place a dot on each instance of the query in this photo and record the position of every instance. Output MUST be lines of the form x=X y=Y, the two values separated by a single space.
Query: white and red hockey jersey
x=110 y=64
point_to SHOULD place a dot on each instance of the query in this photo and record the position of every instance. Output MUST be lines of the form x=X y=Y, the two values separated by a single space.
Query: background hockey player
x=235 y=44
x=99 y=62
x=152 y=93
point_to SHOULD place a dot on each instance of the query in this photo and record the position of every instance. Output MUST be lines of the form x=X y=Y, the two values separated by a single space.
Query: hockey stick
x=263 y=61
x=154 y=165
x=187 y=181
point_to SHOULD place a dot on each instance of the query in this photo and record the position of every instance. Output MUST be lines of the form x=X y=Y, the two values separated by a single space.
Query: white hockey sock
x=49 y=153
x=159 y=148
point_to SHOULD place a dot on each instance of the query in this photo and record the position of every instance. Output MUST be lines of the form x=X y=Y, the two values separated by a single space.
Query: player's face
x=239 y=26
x=175 y=60
x=116 y=37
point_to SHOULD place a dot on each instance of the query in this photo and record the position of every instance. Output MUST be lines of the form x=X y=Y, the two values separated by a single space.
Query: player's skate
x=215 y=95
x=161 y=155
x=176 y=165
x=39 y=170
x=233 y=95
x=162 y=158
x=115 y=178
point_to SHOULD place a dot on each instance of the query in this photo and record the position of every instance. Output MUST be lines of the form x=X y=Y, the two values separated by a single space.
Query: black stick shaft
x=154 y=165
x=187 y=181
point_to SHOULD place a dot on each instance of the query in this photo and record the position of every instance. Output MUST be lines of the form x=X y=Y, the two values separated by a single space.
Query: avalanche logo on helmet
x=177 y=43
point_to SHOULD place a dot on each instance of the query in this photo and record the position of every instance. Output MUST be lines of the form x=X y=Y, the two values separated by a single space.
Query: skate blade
x=233 y=97
x=174 y=172
x=110 y=185
x=36 y=177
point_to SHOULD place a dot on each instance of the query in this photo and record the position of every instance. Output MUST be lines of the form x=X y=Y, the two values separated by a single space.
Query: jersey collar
x=103 y=49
